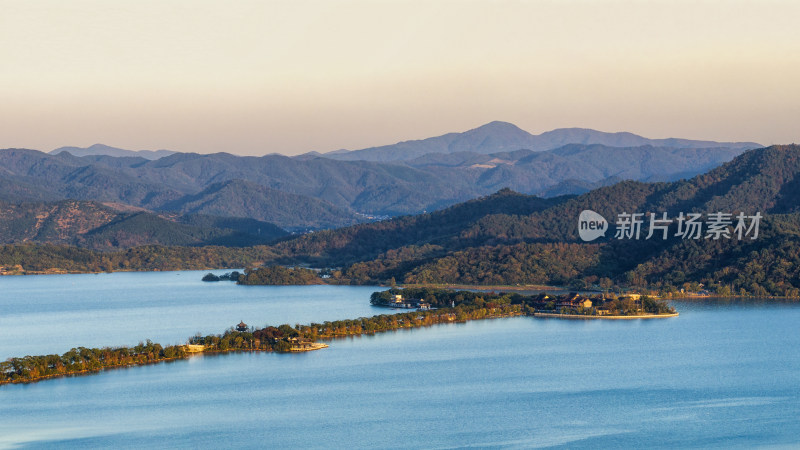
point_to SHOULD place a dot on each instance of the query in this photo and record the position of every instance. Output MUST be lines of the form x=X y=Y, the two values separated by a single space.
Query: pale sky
x=256 y=77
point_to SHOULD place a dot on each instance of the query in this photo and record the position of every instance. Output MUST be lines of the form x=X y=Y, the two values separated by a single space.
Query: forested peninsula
x=444 y=306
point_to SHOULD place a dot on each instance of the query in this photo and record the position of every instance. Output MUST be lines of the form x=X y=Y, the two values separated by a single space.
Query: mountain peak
x=498 y=126
x=499 y=136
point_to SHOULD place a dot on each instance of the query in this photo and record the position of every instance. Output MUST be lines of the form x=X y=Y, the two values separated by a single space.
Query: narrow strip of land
x=427 y=307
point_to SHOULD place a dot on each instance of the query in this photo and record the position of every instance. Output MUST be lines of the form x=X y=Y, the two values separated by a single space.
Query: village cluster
x=571 y=303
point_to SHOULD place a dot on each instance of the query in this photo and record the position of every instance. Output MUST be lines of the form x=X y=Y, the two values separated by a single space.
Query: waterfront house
x=574 y=300
x=541 y=300
x=603 y=311
x=299 y=343
x=636 y=299
x=398 y=301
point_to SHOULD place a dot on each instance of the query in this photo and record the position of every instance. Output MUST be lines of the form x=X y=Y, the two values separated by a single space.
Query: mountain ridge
x=427 y=183
x=466 y=165
x=504 y=136
x=107 y=150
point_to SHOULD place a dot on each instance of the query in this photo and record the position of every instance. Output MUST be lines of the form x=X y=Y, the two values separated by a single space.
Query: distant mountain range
x=498 y=136
x=312 y=191
x=100 y=149
x=576 y=168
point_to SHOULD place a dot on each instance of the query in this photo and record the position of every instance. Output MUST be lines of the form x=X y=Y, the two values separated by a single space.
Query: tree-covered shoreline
x=448 y=307
x=760 y=273
x=281 y=339
x=25 y=259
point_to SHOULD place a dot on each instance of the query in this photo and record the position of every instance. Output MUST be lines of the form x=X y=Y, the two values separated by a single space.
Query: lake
x=720 y=375
x=54 y=313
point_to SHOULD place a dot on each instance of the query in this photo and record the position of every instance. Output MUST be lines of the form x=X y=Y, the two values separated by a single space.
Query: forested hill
x=109 y=226
x=439 y=229
x=509 y=238
x=762 y=180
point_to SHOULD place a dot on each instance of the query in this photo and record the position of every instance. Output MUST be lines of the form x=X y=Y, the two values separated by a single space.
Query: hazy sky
x=255 y=77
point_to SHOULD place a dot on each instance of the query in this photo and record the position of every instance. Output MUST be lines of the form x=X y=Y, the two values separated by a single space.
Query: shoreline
x=89 y=372
x=190 y=353
x=313 y=346
x=496 y=287
x=586 y=317
x=455 y=286
x=414 y=319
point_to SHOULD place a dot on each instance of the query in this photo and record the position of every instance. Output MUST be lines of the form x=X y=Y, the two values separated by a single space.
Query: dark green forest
x=279 y=276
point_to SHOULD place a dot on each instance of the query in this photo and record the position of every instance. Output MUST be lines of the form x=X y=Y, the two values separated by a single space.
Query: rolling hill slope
x=510 y=245
x=245 y=199
x=97 y=226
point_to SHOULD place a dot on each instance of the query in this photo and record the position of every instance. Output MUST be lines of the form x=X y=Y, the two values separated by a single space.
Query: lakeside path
x=583 y=317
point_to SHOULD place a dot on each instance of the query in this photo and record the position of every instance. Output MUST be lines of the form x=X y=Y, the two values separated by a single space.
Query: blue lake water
x=720 y=375
x=53 y=313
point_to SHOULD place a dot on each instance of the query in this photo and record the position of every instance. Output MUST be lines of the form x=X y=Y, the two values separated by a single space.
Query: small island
x=578 y=306
x=566 y=306
x=230 y=276
x=270 y=276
